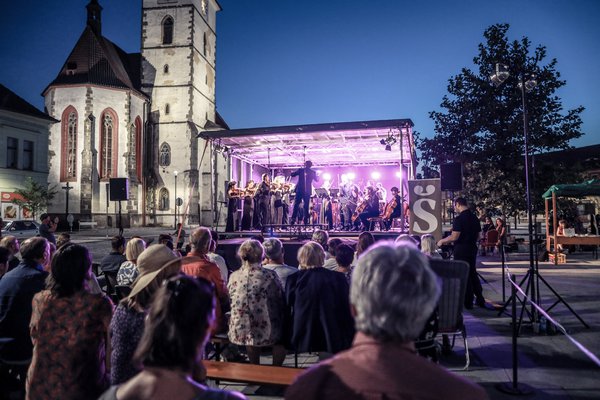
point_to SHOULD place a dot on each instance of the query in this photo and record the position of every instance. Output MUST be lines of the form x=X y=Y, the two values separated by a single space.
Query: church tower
x=178 y=75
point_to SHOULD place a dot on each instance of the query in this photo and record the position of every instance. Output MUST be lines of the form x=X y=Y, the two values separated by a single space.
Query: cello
x=360 y=208
x=389 y=208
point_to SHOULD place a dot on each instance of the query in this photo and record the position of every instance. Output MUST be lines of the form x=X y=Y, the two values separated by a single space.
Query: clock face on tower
x=204 y=7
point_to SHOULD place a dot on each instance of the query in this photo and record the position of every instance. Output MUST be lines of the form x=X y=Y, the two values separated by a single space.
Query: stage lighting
x=375 y=174
x=388 y=147
x=327 y=176
x=351 y=176
x=398 y=174
x=382 y=141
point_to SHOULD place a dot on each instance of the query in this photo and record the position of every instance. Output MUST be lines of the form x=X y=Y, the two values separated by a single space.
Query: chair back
x=491 y=237
x=122 y=291
x=453 y=275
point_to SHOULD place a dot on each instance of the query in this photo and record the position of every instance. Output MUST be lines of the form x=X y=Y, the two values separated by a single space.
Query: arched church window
x=69 y=145
x=167 y=28
x=166 y=69
x=108 y=144
x=164 y=158
x=163 y=199
x=167 y=109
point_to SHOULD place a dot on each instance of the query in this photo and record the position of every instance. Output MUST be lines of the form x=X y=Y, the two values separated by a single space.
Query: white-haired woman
x=128 y=270
x=257 y=305
x=429 y=246
x=317 y=300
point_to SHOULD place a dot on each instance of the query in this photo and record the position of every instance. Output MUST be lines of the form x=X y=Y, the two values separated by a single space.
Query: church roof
x=96 y=60
x=9 y=101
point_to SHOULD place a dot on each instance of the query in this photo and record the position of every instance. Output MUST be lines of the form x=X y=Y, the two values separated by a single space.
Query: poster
x=9 y=211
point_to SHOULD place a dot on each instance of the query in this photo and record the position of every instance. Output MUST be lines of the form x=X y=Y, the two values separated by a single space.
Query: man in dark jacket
x=303 y=189
x=110 y=263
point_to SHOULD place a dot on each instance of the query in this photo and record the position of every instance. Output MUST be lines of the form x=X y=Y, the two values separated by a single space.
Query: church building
x=142 y=116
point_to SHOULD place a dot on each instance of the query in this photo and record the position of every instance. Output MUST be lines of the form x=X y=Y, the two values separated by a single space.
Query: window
x=68 y=161
x=108 y=145
x=12 y=155
x=164 y=159
x=28 y=155
x=138 y=148
x=167 y=109
x=163 y=199
x=205 y=44
x=166 y=69
x=167 y=26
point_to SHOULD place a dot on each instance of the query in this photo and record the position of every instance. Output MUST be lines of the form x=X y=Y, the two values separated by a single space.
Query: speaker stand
x=120 y=221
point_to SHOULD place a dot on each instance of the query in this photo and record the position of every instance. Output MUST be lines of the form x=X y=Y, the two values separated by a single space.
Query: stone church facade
x=143 y=116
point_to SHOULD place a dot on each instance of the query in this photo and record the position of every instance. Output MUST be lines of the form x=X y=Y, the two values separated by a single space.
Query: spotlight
x=382 y=141
x=327 y=176
x=388 y=147
x=351 y=176
x=398 y=174
x=500 y=75
x=375 y=174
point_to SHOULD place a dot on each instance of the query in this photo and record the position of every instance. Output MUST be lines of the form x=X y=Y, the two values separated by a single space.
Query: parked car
x=21 y=229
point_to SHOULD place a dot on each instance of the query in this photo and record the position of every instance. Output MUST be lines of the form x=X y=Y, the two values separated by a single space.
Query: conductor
x=303 y=189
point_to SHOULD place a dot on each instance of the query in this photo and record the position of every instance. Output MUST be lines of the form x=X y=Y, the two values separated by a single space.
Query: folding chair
x=453 y=275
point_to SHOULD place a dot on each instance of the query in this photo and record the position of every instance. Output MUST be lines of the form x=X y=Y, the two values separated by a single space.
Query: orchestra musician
x=248 y=209
x=352 y=200
x=393 y=209
x=368 y=208
x=263 y=201
x=233 y=195
x=277 y=188
x=306 y=176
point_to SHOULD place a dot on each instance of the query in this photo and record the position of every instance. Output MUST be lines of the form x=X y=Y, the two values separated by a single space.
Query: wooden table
x=582 y=240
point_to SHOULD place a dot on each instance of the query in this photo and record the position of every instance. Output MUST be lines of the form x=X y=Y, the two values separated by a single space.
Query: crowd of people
x=65 y=338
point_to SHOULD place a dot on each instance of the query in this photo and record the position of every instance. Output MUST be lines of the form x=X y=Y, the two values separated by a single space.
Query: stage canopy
x=587 y=188
x=361 y=143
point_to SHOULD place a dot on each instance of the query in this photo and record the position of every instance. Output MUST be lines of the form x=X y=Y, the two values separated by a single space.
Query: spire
x=94 y=16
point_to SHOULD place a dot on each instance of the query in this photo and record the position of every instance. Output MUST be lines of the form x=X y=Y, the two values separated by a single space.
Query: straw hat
x=149 y=263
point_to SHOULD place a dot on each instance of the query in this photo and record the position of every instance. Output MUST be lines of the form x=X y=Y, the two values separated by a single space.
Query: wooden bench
x=250 y=373
x=91 y=224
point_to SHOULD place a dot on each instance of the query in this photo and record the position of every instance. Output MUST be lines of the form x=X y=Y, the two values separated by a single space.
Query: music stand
x=334 y=192
x=321 y=192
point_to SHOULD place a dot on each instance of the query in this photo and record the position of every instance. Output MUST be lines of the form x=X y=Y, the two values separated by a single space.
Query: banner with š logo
x=425 y=199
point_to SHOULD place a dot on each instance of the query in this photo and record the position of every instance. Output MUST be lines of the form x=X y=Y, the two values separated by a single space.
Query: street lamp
x=175 y=175
x=526 y=84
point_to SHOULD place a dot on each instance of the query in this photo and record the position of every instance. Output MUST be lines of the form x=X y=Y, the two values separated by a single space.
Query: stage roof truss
x=339 y=144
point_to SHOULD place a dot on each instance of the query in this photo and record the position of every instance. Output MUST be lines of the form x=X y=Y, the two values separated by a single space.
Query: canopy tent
x=587 y=188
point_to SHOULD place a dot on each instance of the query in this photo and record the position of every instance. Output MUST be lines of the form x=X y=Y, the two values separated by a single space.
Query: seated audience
x=429 y=246
x=330 y=262
x=12 y=244
x=17 y=288
x=560 y=231
x=69 y=329
x=274 y=260
x=365 y=240
x=256 y=305
x=344 y=255
x=110 y=264
x=322 y=237
x=62 y=239
x=196 y=263
x=317 y=301
x=4 y=255
x=171 y=348
x=166 y=239
x=393 y=293
x=155 y=264
x=217 y=258
x=128 y=270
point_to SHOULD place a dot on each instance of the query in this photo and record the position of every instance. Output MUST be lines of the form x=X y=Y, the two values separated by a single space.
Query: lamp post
x=526 y=84
x=175 y=175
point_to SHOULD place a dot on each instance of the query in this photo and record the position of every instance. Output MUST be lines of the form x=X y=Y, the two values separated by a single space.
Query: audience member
x=317 y=301
x=330 y=262
x=365 y=240
x=406 y=238
x=274 y=260
x=128 y=270
x=63 y=238
x=344 y=255
x=69 y=329
x=257 y=305
x=111 y=263
x=166 y=239
x=4 y=255
x=217 y=258
x=17 y=289
x=197 y=264
x=155 y=264
x=393 y=293
x=48 y=227
x=429 y=246
x=12 y=244
x=322 y=237
x=502 y=233
x=179 y=234
x=171 y=348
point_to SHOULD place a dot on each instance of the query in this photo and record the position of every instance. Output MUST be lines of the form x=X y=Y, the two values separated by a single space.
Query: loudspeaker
x=119 y=189
x=451 y=176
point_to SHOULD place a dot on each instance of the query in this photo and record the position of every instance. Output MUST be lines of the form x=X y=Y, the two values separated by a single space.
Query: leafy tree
x=36 y=196
x=481 y=125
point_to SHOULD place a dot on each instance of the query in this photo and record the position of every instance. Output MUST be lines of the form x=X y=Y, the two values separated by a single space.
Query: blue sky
x=282 y=62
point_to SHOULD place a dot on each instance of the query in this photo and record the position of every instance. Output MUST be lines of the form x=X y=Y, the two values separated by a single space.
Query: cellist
x=393 y=209
x=369 y=209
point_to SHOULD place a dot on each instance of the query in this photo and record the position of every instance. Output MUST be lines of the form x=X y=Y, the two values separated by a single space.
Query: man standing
x=465 y=232
x=48 y=227
x=393 y=293
x=306 y=176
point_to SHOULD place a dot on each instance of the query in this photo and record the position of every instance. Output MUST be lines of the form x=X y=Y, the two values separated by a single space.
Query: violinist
x=263 y=196
x=248 y=205
x=393 y=209
x=369 y=208
x=277 y=199
x=233 y=195
x=351 y=200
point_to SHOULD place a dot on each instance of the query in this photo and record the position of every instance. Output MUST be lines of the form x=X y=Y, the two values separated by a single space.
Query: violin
x=235 y=192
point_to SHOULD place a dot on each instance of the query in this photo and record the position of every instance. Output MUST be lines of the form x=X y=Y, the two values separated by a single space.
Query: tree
x=481 y=125
x=35 y=196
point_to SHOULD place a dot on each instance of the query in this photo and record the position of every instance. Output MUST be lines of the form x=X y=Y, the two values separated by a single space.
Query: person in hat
x=155 y=264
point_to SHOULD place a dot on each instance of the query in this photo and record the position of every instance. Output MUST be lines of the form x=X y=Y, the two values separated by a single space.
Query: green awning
x=587 y=188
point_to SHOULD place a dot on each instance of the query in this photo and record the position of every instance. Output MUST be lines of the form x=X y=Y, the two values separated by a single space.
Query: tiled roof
x=96 y=60
x=9 y=101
